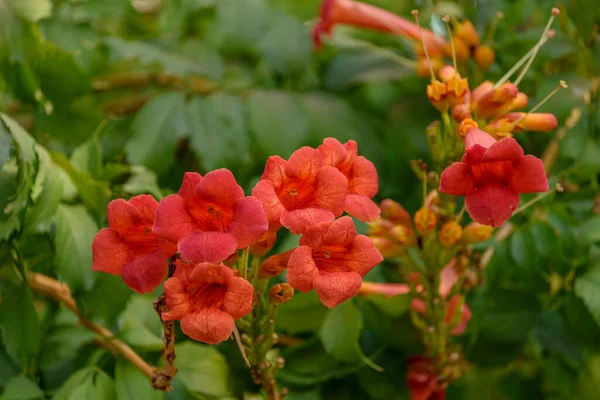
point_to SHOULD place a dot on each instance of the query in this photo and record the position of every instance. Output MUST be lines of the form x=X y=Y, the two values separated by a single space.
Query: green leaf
x=88 y=383
x=590 y=229
x=340 y=332
x=545 y=238
x=142 y=181
x=527 y=266
x=32 y=10
x=19 y=323
x=75 y=232
x=329 y=116
x=88 y=156
x=286 y=45
x=277 y=122
x=27 y=162
x=202 y=369
x=21 y=388
x=218 y=133
x=238 y=29
x=304 y=313
x=393 y=306
x=131 y=384
x=107 y=298
x=45 y=202
x=587 y=287
x=5 y=146
x=141 y=326
x=588 y=383
x=157 y=128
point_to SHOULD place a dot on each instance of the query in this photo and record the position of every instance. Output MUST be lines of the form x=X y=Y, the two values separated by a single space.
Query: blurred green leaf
x=545 y=238
x=277 y=122
x=131 y=384
x=21 y=388
x=141 y=326
x=588 y=383
x=587 y=287
x=304 y=313
x=590 y=229
x=19 y=323
x=202 y=369
x=238 y=29
x=157 y=129
x=87 y=383
x=340 y=332
x=5 y=146
x=286 y=45
x=33 y=10
x=329 y=116
x=88 y=156
x=107 y=297
x=218 y=133
x=142 y=181
x=75 y=232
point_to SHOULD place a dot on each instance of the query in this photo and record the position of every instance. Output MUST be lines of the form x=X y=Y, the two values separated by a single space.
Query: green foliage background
x=100 y=101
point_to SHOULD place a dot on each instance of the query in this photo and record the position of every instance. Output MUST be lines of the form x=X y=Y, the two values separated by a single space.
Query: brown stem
x=163 y=376
x=60 y=292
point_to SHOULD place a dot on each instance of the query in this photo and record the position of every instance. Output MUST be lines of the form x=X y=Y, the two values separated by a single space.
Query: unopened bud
x=450 y=233
x=466 y=31
x=394 y=212
x=281 y=293
x=274 y=265
x=425 y=220
x=480 y=91
x=461 y=112
x=265 y=243
x=401 y=233
x=380 y=227
x=436 y=93
x=447 y=72
x=461 y=49
x=386 y=247
x=484 y=56
x=491 y=102
x=476 y=232
x=425 y=66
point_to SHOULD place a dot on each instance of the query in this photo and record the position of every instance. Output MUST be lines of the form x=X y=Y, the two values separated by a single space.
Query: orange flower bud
x=394 y=212
x=490 y=103
x=476 y=232
x=457 y=88
x=380 y=227
x=425 y=220
x=436 y=92
x=539 y=122
x=477 y=93
x=446 y=73
x=461 y=112
x=466 y=31
x=461 y=49
x=386 y=289
x=386 y=247
x=265 y=243
x=401 y=233
x=274 y=265
x=484 y=56
x=450 y=233
x=424 y=66
x=281 y=293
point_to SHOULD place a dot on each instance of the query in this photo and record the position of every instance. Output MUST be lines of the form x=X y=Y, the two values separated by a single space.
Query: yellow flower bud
x=476 y=232
x=425 y=220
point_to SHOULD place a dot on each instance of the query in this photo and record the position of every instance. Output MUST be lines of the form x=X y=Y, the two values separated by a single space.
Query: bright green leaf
x=88 y=383
x=32 y=10
x=75 y=232
x=218 y=133
x=131 y=384
x=21 y=388
x=340 y=332
x=157 y=129
x=202 y=368
x=142 y=181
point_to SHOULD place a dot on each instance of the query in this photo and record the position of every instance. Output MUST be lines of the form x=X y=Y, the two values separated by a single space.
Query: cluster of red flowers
x=210 y=219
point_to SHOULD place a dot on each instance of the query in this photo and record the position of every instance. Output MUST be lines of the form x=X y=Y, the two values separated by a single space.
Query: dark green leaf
x=21 y=388
x=277 y=122
x=5 y=146
x=304 y=313
x=75 y=232
x=19 y=323
x=587 y=287
x=107 y=297
x=590 y=229
x=340 y=332
x=545 y=238
x=202 y=368
x=218 y=133
x=157 y=129
x=131 y=384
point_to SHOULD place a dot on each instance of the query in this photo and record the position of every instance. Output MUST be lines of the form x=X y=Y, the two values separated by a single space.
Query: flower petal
x=313 y=236
x=188 y=186
x=332 y=188
x=505 y=149
x=298 y=220
x=178 y=301
x=123 y=215
x=528 y=175
x=264 y=191
x=476 y=136
x=207 y=272
x=363 y=178
x=304 y=163
x=109 y=253
x=363 y=255
x=361 y=207
x=341 y=231
x=207 y=325
x=492 y=204
x=146 y=205
x=333 y=152
x=238 y=298
x=212 y=247
x=334 y=288
x=274 y=170
x=302 y=269
x=418 y=305
x=172 y=218
x=457 y=180
x=448 y=278
x=249 y=221
x=144 y=273
x=220 y=187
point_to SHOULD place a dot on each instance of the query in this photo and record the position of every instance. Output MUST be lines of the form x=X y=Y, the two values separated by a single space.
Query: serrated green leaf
x=218 y=133
x=277 y=122
x=75 y=232
x=157 y=129
x=19 y=322
x=21 y=388
x=340 y=332
x=286 y=44
x=131 y=384
x=587 y=287
x=202 y=368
